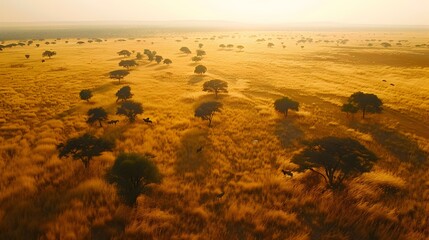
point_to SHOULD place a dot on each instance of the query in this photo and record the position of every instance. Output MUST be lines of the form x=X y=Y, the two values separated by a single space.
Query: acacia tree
x=270 y=45
x=124 y=93
x=200 y=45
x=132 y=172
x=139 y=56
x=185 y=50
x=206 y=110
x=215 y=86
x=127 y=63
x=240 y=47
x=335 y=159
x=158 y=59
x=118 y=74
x=366 y=102
x=85 y=94
x=200 y=69
x=196 y=59
x=96 y=115
x=130 y=109
x=201 y=53
x=168 y=61
x=222 y=46
x=84 y=148
x=283 y=105
x=49 y=54
x=349 y=108
x=124 y=53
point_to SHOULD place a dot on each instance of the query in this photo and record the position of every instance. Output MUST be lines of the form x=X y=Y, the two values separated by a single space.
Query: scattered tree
x=96 y=115
x=222 y=46
x=200 y=69
x=124 y=93
x=196 y=59
x=85 y=95
x=124 y=53
x=201 y=53
x=335 y=159
x=206 y=110
x=130 y=109
x=386 y=44
x=119 y=74
x=48 y=53
x=127 y=63
x=158 y=59
x=230 y=46
x=84 y=148
x=215 y=86
x=168 y=61
x=366 y=102
x=200 y=45
x=132 y=172
x=240 y=47
x=139 y=56
x=185 y=50
x=270 y=45
x=283 y=105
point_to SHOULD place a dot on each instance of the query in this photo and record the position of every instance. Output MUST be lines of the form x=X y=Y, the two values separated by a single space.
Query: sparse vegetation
x=207 y=110
x=185 y=50
x=49 y=54
x=283 y=105
x=124 y=53
x=127 y=63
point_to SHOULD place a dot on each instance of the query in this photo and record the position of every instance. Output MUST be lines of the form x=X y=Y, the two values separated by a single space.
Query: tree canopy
x=85 y=94
x=158 y=59
x=49 y=54
x=118 y=74
x=201 y=53
x=168 y=61
x=84 y=148
x=200 y=69
x=335 y=159
x=132 y=172
x=130 y=109
x=96 y=115
x=206 y=110
x=185 y=50
x=349 y=108
x=124 y=93
x=283 y=105
x=124 y=53
x=127 y=63
x=366 y=102
x=215 y=86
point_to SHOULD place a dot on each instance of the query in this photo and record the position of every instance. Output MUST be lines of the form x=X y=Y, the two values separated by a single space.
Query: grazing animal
x=384 y=81
x=147 y=120
x=220 y=195
x=392 y=84
x=287 y=172
x=112 y=122
x=200 y=149
x=43 y=60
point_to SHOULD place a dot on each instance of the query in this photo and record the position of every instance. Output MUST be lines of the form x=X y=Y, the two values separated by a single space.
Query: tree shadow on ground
x=192 y=156
x=398 y=144
x=288 y=133
x=162 y=67
x=194 y=79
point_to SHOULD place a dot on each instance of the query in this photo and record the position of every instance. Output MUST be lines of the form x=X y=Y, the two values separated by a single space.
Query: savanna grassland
x=244 y=151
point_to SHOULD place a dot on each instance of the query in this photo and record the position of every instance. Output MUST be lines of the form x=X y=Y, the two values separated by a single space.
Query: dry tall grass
x=43 y=197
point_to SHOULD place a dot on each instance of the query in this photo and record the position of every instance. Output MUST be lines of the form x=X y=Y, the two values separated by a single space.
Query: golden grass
x=248 y=144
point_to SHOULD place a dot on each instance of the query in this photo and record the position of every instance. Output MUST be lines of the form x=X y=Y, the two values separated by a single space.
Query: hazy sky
x=403 y=12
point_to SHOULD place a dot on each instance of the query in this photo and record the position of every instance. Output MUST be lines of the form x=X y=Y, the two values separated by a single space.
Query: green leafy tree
x=85 y=94
x=128 y=63
x=49 y=54
x=185 y=50
x=366 y=102
x=124 y=53
x=130 y=109
x=118 y=74
x=207 y=110
x=84 y=148
x=200 y=69
x=335 y=159
x=124 y=94
x=96 y=115
x=283 y=105
x=215 y=86
x=131 y=173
